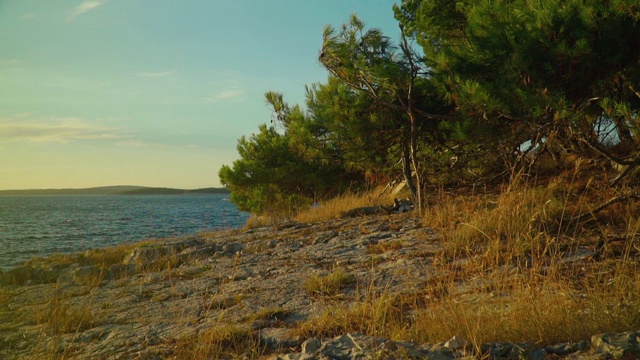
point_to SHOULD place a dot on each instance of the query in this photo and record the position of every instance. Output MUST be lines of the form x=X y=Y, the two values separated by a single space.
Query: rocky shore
x=162 y=294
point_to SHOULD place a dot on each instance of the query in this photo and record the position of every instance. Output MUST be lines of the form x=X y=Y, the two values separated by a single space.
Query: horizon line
x=115 y=186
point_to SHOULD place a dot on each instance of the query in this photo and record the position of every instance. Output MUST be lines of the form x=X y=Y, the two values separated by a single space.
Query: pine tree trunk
x=413 y=153
x=406 y=170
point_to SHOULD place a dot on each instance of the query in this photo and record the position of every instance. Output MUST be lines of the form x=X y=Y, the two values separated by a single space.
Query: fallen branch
x=606 y=204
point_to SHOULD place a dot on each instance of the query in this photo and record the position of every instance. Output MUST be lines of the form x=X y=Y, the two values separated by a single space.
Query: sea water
x=34 y=226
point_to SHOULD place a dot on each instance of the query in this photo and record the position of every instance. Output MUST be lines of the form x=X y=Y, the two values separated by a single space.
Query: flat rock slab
x=175 y=289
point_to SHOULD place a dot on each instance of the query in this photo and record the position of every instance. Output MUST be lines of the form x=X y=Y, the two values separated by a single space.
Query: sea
x=36 y=226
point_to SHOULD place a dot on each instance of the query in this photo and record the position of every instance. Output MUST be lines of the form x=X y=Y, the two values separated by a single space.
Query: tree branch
x=606 y=204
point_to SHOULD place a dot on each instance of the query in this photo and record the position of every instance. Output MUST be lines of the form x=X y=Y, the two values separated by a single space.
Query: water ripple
x=41 y=225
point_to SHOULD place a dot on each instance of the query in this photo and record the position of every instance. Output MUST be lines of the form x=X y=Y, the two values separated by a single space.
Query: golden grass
x=327 y=210
x=255 y=221
x=6 y=295
x=269 y=313
x=221 y=342
x=163 y=262
x=526 y=308
x=328 y=285
x=519 y=223
x=375 y=316
x=503 y=273
x=62 y=316
x=383 y=246
x=334 y=208
x=551 y=312
x=103 y=257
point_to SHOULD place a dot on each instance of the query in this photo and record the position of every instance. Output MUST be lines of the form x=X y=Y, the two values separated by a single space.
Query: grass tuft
x=335 y=207
x=328 y=285
x=222 y=342
x=64 y=317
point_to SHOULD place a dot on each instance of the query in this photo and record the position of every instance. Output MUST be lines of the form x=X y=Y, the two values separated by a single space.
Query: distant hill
x=115 y=190
x=170 y=191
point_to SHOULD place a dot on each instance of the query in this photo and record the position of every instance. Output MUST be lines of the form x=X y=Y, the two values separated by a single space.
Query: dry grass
x=504 y=273
x=96 y=257
x=222 y=342
x=329 y=209
x=534 y=309
x=163 y=262
x=335 y=207
x=62 y=316
x=328 y=285
x=43 y=269
x=256 y=221
x=525 y=306
x=6 y=295
x=384 y=246
x=376 y=316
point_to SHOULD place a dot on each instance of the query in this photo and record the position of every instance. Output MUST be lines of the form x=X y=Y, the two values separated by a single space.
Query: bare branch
x=606 y=204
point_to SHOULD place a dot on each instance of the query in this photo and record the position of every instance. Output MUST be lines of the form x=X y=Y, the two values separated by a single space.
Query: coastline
x=114 y=190
x=267 y=291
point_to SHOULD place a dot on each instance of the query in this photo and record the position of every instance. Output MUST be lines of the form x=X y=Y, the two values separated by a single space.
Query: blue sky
x=151 y=92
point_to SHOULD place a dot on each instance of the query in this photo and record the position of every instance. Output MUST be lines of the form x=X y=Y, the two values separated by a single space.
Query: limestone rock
x=311 y=346
x=241 y=278
x=616 y=345
x=278 y=338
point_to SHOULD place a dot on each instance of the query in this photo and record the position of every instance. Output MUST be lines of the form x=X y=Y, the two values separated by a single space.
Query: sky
x=151 y=92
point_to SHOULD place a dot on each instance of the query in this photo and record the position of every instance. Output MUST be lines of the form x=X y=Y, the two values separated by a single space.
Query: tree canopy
x=467 y=87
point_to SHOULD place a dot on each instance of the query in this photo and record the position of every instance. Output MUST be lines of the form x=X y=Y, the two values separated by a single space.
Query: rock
x=358 y=346
x=292 y=357
x=457 y=343
x=311 y=346
x=348 y=346
x=502 y=350
x=150 y=253
x=400 y=206
x=228 y=277
x=616 y=345
x=278 y=338
x=537 y=354
x=232 y=248
x=146 y=254
x=567 y=348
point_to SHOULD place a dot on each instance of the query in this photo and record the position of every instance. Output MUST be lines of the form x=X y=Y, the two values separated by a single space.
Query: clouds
x=57 y=131
x=159 y=74
x=9 y=62
x=228 y=95
x=83 y=8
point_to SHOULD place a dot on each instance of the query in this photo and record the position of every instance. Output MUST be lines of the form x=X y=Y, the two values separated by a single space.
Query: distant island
x=117 y=190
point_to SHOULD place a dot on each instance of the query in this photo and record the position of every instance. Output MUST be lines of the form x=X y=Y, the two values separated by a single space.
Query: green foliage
x=280 y=172
x=265 y=177
x=349 y=126
x=543 y=69
x=493 y=75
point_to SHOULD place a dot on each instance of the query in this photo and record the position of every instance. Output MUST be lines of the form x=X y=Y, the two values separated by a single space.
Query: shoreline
x=36 y=226
x=266 y=292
